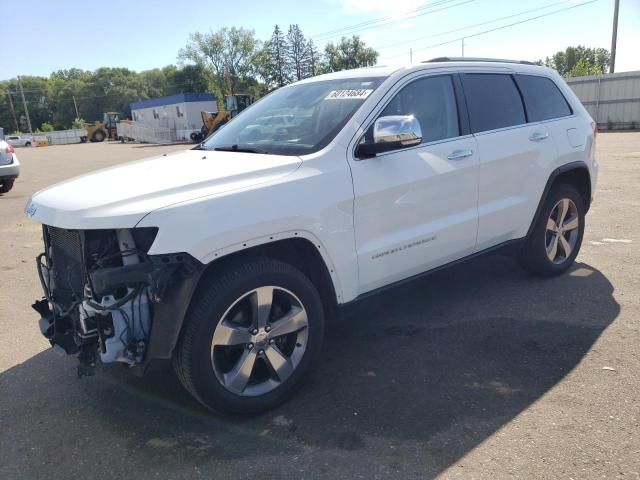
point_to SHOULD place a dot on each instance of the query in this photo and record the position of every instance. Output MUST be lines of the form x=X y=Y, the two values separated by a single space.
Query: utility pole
x=13 y=112
x=614 y=36
x=75 y=106
x=24 y=102
x=463 y=47
x=410 y=56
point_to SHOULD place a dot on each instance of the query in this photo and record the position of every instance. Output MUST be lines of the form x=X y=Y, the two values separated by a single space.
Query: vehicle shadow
x=411 y=380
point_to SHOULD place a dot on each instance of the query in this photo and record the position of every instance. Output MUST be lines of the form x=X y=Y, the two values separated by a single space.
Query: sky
x=43 y=36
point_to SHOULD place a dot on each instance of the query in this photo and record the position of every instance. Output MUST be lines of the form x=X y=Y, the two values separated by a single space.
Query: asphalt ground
x=479 y=371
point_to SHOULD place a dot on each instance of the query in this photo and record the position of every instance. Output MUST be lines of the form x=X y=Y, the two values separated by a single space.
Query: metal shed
x=178 y=113
x=613 y=100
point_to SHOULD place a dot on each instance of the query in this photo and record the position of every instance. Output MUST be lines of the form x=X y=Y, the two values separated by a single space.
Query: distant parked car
x=9 y=167
x=18 y=141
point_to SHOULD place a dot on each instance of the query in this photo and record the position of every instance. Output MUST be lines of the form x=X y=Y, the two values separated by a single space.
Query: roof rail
x=476 y=59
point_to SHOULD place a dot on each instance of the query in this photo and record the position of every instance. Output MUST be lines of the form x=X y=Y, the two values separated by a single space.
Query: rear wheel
x=556 y=238
x=28 y=144
x=6 y=185
x=251 y=337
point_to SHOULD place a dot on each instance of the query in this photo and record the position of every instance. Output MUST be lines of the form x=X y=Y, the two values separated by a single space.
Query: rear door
x=415 y=208
x=545 y=103
x=512 y=155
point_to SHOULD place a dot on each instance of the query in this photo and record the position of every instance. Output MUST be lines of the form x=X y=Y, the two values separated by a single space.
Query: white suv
x=228 y=258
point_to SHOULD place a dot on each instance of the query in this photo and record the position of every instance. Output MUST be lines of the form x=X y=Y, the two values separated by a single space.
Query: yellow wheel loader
x=99 y=131
x=212 y=121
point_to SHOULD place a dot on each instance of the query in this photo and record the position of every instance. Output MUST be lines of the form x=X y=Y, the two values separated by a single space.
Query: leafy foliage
x=349 y=53
x=78 y=123
x=579 y=61
x=226 y=56
x=51 y=99
x=228 y=61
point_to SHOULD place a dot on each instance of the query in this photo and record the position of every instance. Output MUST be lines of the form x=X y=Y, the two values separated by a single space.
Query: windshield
x=295 y=120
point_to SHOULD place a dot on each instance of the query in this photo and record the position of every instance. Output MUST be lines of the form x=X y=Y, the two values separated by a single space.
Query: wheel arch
x=298 y=249
x=575 y=174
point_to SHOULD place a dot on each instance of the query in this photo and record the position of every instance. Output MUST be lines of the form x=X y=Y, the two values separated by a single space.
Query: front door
x=416 y=208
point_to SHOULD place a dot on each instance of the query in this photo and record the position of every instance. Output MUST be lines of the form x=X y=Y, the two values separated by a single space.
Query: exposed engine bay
x=101 y=291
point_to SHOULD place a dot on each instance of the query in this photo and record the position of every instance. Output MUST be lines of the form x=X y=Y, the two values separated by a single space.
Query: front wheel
x=98 y=136
x=251 y=337
x=557 y=235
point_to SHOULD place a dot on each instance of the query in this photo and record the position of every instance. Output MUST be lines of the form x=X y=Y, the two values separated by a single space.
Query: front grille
x=65 y=260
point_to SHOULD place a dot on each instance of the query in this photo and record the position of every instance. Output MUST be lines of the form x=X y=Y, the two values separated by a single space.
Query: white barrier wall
x=612 y=100
x=64 y=137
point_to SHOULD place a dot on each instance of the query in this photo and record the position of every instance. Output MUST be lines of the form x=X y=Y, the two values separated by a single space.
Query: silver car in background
x=9 y=167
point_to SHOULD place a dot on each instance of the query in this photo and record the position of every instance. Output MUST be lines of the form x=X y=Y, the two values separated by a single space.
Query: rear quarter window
x=542 y=98
x=493 y=101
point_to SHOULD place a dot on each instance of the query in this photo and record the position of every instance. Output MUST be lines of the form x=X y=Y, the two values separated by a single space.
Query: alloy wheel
x=259 y=341
x=562 y=231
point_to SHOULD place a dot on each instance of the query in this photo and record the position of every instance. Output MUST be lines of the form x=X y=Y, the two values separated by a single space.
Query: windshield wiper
x=239 y=148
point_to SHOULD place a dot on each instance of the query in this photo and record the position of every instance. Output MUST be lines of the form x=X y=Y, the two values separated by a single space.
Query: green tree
x=78 y=123
x=583 y=69
x=188 y=79
x=227 y=56
x=36 y=93
x=592 y=60
x=297 y=52
x=46 y=127
x=314 y=65
x=349 y=53
x=277 y=67
x=64 y=86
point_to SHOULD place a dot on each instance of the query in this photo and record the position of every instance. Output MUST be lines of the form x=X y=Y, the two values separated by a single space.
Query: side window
x=433 y=102
x=493 y=101
x=542 y=98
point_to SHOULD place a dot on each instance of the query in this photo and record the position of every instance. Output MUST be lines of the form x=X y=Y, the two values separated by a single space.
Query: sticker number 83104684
x=359 y=94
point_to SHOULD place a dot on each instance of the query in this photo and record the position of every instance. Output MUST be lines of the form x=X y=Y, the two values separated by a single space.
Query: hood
x=119 y=197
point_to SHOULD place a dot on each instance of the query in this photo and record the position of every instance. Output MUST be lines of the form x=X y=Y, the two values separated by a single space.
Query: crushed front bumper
x=105 y=298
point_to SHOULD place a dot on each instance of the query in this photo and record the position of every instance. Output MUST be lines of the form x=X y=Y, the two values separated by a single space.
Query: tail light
x=10 y=149
x=594 y=127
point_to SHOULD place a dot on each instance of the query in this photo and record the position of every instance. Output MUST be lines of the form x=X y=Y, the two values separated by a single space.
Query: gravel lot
x=479 y=371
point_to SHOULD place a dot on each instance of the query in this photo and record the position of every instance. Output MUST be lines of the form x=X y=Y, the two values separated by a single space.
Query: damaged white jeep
x=227 y=258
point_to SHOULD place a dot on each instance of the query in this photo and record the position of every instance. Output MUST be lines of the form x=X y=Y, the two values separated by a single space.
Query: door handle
x=459 y=154
x=538 y=137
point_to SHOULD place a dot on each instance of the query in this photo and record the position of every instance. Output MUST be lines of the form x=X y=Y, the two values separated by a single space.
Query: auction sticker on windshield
x=359 y=94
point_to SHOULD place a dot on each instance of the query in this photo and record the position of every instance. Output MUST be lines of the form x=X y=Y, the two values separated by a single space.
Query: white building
x=179 y=113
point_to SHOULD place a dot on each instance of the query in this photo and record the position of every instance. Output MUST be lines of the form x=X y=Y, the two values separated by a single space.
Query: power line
x=388 y=20
x=376 y=20
x=497 y=28
x=474 y=25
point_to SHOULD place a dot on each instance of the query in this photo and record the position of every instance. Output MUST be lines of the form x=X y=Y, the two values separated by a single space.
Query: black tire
x=28 y=144
x=192 y=357
x=533 y=256
x=6 y=185
x=98 y=136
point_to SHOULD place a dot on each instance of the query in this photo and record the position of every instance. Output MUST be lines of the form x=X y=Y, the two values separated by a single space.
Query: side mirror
x=391 y=133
